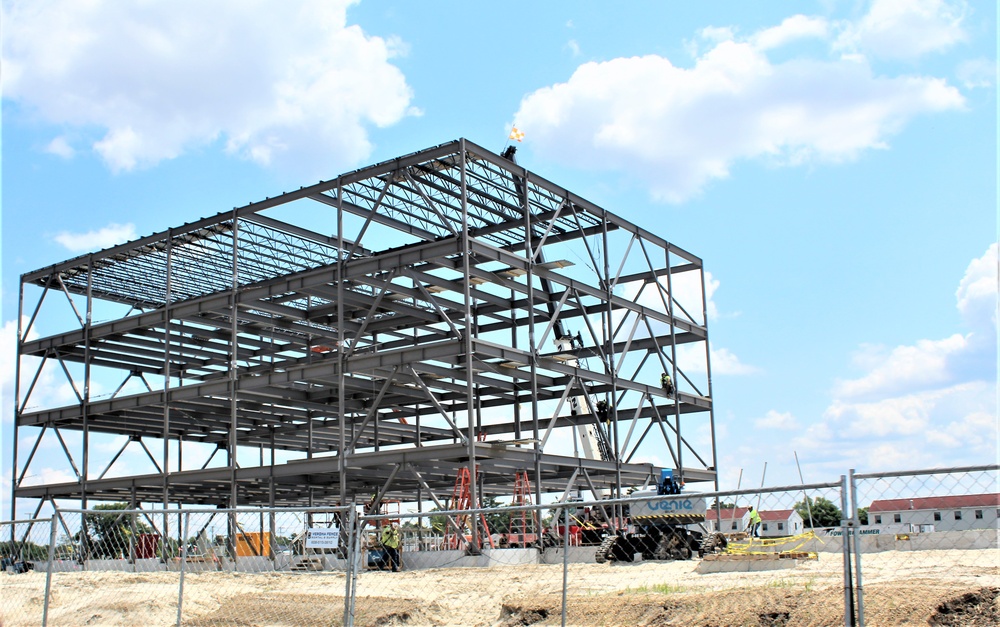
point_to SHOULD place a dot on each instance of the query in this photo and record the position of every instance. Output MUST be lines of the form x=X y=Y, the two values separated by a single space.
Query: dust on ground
x=941 y=588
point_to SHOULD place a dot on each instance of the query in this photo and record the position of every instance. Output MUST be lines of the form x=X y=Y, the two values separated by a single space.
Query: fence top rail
x=929 y=471
x=237 y=510
x=26 y=521
x=599 y=503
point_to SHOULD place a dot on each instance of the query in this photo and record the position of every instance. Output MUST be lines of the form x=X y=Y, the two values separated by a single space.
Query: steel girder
x=418 y=327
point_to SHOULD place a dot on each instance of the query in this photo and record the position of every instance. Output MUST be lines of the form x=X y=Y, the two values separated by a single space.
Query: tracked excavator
x=660 y=528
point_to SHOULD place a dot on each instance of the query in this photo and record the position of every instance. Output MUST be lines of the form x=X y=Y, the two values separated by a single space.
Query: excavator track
x=713 y=543
x=604 y=552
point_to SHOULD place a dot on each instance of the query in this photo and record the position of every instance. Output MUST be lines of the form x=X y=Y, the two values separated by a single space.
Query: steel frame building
x=414 y=339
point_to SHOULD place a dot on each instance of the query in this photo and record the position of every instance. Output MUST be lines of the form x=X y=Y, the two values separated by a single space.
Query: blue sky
x=834 y=164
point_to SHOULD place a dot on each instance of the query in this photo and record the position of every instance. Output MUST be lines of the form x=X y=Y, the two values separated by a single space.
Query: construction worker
x=390 y=542
x=668 y=385
x=754 y=523
x=602 y=411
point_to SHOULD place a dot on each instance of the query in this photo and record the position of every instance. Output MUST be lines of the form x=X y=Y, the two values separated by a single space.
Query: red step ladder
x=461 y=499
x=522 y=524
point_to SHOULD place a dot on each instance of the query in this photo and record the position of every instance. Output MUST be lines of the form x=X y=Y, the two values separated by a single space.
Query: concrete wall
x=577 y=555
x=974 y=539
x=490 y=558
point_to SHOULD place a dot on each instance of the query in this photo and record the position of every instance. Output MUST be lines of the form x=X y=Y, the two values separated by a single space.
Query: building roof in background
x=936 y=502
x=728 y=513
x=777 y=514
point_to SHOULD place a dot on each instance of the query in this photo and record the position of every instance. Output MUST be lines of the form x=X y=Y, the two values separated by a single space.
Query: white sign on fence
x=322 y=538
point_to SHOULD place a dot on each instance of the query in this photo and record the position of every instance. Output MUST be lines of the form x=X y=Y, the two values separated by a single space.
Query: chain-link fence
x=24 y=546
x=940 y=528
x=890 y=549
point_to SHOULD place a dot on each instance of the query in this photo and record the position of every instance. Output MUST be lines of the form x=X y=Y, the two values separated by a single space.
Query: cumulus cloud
x=791 y=29
x=725 y=362
x=906 y=29
x=688 y=305
x=676 y=129
x=104 y=237
x=977 y=292
x=904 y=368
x=930 y=402
x=976 y=73
x=51 y=388
x=60 y=147
x=777 y=420
x=281 y=85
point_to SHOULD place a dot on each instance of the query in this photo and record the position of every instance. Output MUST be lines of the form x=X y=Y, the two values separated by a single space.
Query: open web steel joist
x=370 y=334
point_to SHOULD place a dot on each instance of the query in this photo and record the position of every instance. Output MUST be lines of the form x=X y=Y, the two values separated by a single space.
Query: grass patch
x=660 y=588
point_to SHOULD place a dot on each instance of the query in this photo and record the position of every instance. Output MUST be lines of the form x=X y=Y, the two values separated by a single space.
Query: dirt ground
x=946 y=588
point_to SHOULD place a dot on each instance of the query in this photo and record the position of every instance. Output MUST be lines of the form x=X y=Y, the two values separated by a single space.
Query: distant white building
x=733 y=520
x=780 y=522
x=945 y=513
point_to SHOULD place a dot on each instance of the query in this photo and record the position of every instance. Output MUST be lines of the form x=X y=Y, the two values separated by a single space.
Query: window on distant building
x=765 y=526
x=878 y=519
x=979 y=514
x=734 y=524
x=937 y=515
x=781 y=526
x=958 y=515
x=897 y=518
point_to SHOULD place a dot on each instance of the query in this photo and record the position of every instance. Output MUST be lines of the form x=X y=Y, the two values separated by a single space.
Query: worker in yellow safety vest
x=667 y=384
x=754 y=523
x=390 y=542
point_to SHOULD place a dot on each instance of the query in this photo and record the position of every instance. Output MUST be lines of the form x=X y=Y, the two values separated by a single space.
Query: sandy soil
x=901 y=588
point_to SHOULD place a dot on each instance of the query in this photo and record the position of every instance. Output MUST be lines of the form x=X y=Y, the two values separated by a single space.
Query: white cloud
x=60 y=147
x=49 y=389
x=777 y=420
x=281 y=85
x=977 y=292
x=676 y=129
x=574 y=47
x=45 y=476
x=791 y=29
x=687 y=288
x=725 y=362
x=717 y=33
x=105 y=237
x=932 y=402
x=8 y=347
x=691 y=358
x=977 y=73
x=906 y=29
x=905 y=368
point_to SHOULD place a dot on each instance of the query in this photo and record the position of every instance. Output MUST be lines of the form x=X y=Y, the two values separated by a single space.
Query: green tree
x=498 y=522
x=109 y=535
x=24 y=550
x=863 y=515
x=824 y=512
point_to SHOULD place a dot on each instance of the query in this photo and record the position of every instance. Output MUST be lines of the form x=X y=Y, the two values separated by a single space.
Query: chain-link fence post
x=184 y=550
x=565 y=584
x=48 y=571
x=859 y=588
x=353 y=530
x=846 y=538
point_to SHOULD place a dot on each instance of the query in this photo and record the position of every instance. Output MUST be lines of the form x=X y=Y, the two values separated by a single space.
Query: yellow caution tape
x=746 y=548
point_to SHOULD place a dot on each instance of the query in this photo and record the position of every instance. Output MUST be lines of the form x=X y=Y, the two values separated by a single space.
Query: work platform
x=373 y=333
